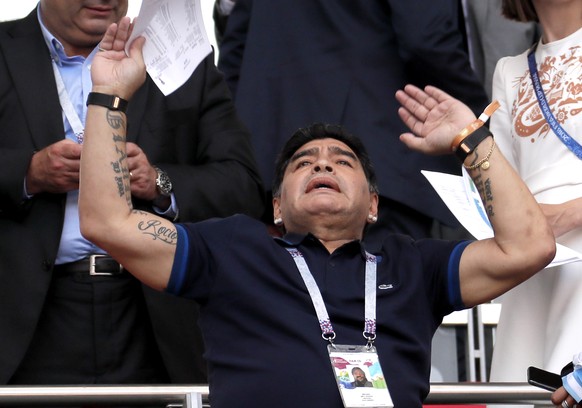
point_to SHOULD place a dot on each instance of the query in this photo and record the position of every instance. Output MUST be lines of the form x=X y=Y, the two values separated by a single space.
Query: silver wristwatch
x=163 y=182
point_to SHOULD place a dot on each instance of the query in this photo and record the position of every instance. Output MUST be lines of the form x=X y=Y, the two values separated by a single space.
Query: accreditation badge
x=359 y=376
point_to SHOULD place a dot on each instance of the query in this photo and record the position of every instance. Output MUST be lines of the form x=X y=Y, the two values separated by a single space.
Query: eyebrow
x=314 y=150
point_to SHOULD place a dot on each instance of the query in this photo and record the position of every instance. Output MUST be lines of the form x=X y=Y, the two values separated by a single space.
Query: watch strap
x=111 y=102
x=468 y=144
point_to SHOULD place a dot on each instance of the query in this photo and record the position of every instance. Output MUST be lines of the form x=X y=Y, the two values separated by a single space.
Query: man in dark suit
x=63 y=319
x=289 y=64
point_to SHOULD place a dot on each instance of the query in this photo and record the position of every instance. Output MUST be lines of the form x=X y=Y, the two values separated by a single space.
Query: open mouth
x=320 y=183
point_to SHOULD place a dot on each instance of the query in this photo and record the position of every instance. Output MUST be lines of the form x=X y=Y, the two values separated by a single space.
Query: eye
x=344 y=163
x=303 y=163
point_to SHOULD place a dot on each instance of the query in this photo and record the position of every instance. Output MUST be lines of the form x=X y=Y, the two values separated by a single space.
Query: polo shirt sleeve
x=192 y=272
x=180 y=266
x=453 y=278
x=206 y=249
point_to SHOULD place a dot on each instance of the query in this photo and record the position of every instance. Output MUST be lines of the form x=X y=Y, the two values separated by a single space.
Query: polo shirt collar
x=292 y=239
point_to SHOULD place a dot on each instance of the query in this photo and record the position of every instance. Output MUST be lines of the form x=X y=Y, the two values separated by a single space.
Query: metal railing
x=193 y=396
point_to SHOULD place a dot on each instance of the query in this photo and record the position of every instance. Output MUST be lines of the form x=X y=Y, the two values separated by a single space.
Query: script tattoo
x=116 y=167
x=484 y=188
x=116 y=122
x=158 y=231
x=120 y=186
x=489 y=198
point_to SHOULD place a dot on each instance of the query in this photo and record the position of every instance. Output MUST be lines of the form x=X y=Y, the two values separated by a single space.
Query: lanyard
x=327 y=331
x=67 y=106
x=556 y=128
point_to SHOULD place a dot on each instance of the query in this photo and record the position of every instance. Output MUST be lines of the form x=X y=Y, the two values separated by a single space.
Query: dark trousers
x=93 y=330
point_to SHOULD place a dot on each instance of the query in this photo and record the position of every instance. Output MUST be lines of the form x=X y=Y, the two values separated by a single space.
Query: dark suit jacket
x=292 y=63
x=193 y=134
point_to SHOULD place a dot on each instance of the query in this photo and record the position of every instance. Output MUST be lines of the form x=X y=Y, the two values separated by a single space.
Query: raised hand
x=113 y=71
x=434 y=118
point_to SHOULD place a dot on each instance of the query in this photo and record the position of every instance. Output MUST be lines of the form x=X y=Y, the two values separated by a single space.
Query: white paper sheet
x=176 y=40
x=461 y=197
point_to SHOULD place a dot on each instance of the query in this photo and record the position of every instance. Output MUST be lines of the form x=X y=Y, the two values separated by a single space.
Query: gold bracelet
x=483 y=163
x=473 y=126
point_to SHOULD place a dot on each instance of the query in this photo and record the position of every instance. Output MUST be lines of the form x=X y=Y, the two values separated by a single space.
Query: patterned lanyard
x=67 y=106
x=554 y=125
x=327 y=331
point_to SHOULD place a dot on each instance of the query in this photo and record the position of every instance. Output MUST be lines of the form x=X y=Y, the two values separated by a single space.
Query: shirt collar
x=294 y=240
x=55 y=47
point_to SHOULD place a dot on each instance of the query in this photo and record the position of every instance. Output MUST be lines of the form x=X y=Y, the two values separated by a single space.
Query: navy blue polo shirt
x=263 y=342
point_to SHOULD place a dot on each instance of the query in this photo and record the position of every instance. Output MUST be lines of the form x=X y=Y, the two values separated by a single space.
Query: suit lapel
x=136 y=112
x=29 y=64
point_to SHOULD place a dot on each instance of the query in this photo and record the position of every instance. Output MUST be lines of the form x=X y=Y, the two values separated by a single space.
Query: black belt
x=94 y=265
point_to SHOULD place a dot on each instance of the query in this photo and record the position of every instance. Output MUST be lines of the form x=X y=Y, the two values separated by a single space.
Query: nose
x=322 y=166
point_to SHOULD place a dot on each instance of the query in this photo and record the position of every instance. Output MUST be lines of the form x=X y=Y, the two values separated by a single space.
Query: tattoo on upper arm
x=158 y=231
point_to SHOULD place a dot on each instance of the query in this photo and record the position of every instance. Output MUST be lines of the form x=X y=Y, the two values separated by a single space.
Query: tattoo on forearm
x=483 y=185
x=116 y=121
x=486 y=193
x=116 y=167
x=120 y=186
x=489 y=199
x=157 y=231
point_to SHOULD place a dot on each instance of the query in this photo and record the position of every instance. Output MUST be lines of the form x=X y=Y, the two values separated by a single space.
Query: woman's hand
x=564 y=217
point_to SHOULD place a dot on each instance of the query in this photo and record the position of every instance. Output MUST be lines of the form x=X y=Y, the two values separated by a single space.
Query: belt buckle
x=92 y=265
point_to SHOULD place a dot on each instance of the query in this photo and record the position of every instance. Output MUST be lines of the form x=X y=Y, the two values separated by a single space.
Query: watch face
x=163 y=183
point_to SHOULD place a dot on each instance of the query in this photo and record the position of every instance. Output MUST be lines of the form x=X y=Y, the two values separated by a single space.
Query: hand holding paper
x=176 y=40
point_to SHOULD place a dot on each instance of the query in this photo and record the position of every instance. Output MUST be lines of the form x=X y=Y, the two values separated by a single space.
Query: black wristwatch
x=163 y=182
x=111 y=102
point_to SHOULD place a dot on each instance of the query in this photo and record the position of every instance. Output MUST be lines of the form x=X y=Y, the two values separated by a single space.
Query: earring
x=278 y=221
x=372 y=218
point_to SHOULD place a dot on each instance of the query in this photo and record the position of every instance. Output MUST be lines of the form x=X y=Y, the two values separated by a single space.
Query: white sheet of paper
x=176 y=40
x=461 y=197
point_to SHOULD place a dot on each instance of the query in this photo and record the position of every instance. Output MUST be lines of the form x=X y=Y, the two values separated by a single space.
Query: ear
x=276 y=207
x=374 y=200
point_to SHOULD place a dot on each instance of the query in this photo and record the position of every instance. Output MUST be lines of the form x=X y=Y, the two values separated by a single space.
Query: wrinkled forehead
x=328 y=146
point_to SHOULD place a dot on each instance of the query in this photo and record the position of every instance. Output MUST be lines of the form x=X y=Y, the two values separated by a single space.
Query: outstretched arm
x=142 y=242
x=523 y=243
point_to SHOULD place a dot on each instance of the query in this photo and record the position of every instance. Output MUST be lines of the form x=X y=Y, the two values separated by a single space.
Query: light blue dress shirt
x=76 y=74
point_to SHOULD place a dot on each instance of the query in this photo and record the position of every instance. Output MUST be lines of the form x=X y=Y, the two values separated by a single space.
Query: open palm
x=112 y=68
x=434 y=118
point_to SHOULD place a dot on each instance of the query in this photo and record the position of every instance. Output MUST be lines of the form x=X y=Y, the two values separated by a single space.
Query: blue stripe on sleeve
x=179 y=267
x=454 y=284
